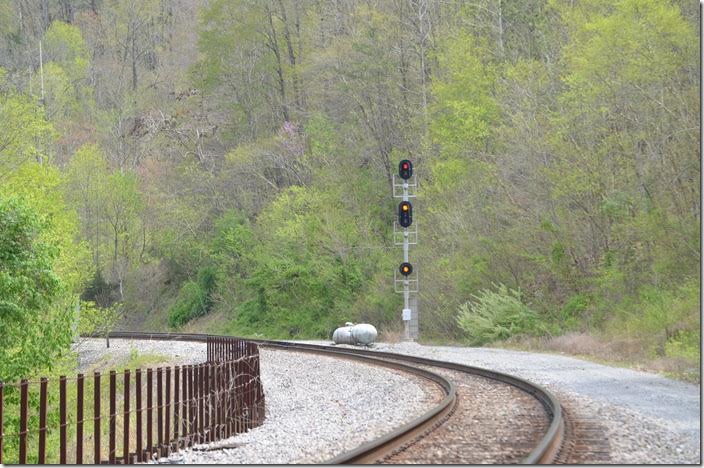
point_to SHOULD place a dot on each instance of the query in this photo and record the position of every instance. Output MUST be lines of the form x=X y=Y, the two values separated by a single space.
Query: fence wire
x=133 y=415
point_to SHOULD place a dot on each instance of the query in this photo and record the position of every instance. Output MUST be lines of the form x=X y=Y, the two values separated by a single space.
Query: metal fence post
x=113 y=417
x=149 y=413
x=42 y=420
x=2 y=422
x=138 y=410
x=62 y=420
x=159 y=412
x=23 y=422
x=79 y=419
x=126 y=418
x=96 y=418
x=167 y=416
x=191 y=406
x=177 y=375
x=206 y=404
x=184 y=404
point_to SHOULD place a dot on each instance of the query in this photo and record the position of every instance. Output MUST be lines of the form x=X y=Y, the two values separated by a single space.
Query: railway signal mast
x=406 y=234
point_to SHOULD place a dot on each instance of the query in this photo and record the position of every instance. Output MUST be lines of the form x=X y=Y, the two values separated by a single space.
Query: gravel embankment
x=649 y=418
x=92 y=351
x=316 y=406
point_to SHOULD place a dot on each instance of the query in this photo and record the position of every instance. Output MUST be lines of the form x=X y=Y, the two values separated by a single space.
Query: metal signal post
x=406 y=237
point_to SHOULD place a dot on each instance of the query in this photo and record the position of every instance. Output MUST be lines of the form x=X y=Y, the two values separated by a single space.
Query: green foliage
x=685 y=345
x=194 y=299
x=465 y=111
x=67 y=97
x=666 y=312
x=35 y=311
x=98 y=321
x=571 y=314
x=496 y=315
x=235 y=159
x=304 y=275
x=26 y=134
x=64 y=45
x=99 y=291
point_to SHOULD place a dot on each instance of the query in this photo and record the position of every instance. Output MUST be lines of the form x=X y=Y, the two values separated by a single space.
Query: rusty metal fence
x=150 y=412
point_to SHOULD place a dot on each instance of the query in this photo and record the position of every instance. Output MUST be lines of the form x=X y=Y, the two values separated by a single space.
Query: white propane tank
x=364 y=334
x=360 y=334
x=343 y=335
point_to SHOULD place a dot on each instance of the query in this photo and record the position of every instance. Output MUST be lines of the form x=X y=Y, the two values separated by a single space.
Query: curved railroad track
x=528 y=427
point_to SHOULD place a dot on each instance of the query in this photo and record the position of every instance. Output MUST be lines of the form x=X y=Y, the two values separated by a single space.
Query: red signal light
x=405 y=169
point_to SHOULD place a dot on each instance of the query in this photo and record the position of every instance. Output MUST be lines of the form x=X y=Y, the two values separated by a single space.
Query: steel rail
x=545 y=451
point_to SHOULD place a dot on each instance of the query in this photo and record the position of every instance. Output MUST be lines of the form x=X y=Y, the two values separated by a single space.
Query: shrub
x=191 y=303
x=35 y=308
x=496 y=315
x=571 y=314
x=194 y=298
x=98 y=321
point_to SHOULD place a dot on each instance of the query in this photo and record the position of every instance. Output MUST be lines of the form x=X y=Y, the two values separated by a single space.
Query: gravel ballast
x=316 y=406
x=649 y=418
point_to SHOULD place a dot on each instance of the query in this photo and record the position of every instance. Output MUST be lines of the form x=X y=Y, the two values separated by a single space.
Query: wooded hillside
x=173 y=159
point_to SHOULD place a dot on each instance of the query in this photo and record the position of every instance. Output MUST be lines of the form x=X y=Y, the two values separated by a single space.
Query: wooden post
x=126 y=418
x=96 y=418
x=113 y=417
x=79 y=419
x=62 y=419
x=23 y=422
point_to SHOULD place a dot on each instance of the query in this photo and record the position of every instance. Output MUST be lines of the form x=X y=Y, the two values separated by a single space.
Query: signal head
x=405 y=214
x=405 y=269
x=405 y=169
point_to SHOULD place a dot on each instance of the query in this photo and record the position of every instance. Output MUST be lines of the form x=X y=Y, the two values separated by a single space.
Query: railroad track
x=461 y=427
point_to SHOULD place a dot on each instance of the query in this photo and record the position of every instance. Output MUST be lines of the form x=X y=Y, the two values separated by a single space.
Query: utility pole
x=406 y=237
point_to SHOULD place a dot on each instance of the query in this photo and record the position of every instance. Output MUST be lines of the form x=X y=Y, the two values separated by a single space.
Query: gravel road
x=649 y=418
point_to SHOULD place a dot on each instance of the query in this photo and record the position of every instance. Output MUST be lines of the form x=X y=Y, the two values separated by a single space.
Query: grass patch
x=629 y=353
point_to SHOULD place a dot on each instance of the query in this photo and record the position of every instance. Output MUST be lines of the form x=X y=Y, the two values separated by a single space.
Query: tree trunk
x=67 y=10
x=46 y=17
x=134 y=61
x=291 y=57
x=274 y=46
